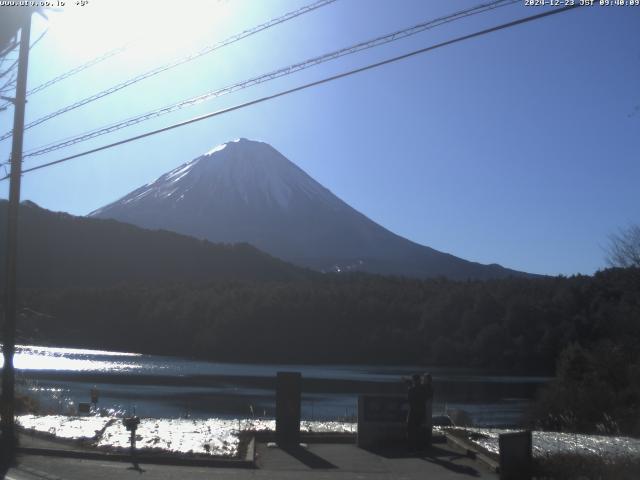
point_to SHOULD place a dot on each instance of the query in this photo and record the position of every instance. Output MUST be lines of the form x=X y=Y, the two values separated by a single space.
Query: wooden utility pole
x=9 y=439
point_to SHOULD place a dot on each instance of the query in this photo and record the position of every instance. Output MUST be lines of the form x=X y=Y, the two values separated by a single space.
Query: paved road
x=318 y=461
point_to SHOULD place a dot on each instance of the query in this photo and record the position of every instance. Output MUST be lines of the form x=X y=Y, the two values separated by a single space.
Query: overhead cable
x=175 y=63
x=288 y=70
x=79 y=68
x=305 y=86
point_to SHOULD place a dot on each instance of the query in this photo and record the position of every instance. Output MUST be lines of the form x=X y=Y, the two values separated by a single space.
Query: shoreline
x=403 y=367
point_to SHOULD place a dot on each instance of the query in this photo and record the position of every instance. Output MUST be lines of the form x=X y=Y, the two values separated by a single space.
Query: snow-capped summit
x=247 y=191
x=242 y=170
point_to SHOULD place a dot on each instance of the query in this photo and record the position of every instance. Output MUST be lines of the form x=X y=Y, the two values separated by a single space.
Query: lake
x=168 y=387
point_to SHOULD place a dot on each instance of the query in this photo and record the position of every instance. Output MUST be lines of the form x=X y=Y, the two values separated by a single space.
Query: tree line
x=585 y=330
x=519 y=324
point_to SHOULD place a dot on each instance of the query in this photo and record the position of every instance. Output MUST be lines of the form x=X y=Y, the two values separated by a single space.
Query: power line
x=306 y=86
x=12 y=77
x=99 y=59
x=288 y=70
x=175 y=63
x=79 y=68
x=75 y=70
x=14 y=65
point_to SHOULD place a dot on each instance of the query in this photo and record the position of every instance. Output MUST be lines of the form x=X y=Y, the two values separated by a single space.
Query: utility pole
x=9 y=438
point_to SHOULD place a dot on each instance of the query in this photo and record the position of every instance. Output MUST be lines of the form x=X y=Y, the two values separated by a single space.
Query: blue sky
x=520 y=147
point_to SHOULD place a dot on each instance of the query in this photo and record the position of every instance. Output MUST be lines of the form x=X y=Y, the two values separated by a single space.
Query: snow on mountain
x=246 y=191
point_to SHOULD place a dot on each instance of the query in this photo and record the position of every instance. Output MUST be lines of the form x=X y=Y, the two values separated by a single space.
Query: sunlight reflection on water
x=31 y=357
x=164 y=387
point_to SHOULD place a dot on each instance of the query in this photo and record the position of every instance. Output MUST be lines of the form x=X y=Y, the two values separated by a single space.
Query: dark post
x=94 y=397
x=515 y=455
x=8 y=346
x=428 y=424
x=288 y=393
x=131 y=424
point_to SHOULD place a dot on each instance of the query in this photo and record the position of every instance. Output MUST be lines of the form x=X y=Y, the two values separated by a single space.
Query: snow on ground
x=549 y=443
x=220 y=436
x=214 y=436
x=63 y=426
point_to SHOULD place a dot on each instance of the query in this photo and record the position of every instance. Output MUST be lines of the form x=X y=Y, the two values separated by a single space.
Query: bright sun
x=102 y=25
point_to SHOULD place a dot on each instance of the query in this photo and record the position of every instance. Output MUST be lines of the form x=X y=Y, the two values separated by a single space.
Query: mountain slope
x=60 y=250
x=246 y=191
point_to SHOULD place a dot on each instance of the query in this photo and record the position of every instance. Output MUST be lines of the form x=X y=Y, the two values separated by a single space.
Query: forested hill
x=104 y=284
x=60 y=250
x=508 y=324
x=245 y=190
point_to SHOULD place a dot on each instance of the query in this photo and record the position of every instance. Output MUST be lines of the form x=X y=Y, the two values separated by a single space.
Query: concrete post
x=9 y=439
x=288 y=395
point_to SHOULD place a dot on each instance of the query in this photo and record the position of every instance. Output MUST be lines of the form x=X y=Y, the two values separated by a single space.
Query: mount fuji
x=246 y=191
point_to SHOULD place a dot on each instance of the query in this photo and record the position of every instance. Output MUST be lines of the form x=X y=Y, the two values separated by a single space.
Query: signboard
x=382 y=419
x=385 y=409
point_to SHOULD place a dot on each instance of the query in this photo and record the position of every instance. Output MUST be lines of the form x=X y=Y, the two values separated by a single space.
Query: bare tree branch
x=39 y=38
x=9 y=48
x=624 y=248
x=9 y=84
x=11 y=67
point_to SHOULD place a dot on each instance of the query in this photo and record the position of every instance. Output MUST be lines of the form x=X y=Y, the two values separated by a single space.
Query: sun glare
x=159 y=28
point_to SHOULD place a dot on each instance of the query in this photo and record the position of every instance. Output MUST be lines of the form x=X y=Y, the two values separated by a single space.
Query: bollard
x=131 y=423
x=288 y=393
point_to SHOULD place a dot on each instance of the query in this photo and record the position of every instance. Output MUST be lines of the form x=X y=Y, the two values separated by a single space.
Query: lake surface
x=168 y=387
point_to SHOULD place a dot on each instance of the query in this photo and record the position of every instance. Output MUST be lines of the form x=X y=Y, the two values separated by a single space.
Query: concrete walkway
x=348 y=461
x=317 y=461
